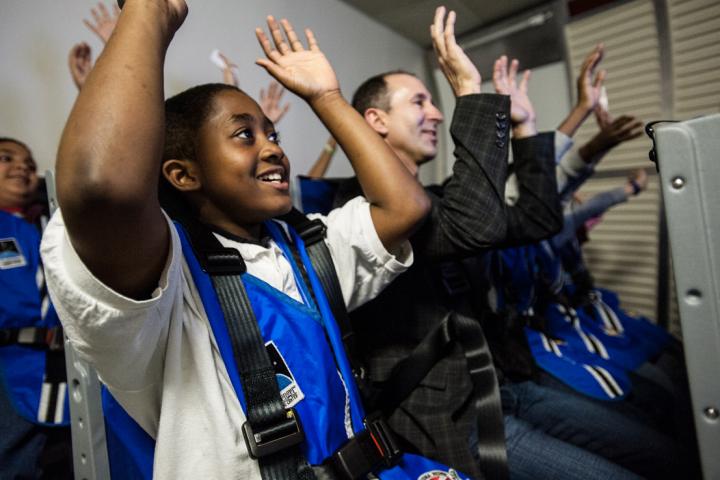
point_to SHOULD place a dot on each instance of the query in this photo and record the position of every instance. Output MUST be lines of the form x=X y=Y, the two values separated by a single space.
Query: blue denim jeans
x=593 y=427
x=533 y=455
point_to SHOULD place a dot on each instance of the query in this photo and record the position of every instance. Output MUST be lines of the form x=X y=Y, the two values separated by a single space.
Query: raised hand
x=80 y=63
x=622 y=129
x=460 y=72
x=270 y=102
x=589 y=84
x=504 y=80
x=307 y=73
x=228 y=70
x=103 y=22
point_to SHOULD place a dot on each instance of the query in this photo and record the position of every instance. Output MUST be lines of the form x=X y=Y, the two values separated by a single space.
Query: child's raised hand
x=307 y=73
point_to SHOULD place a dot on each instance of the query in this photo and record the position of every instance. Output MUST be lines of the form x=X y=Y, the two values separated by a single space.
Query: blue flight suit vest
x=24 y=303
x=312 y=370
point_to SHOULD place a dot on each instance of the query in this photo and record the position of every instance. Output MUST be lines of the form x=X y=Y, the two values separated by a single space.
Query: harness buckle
x=369 y=450
x=273 y=438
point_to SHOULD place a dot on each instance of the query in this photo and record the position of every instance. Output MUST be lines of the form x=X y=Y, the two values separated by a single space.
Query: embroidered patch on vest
x=440 y=475
x=289 y=389
x=10 y=254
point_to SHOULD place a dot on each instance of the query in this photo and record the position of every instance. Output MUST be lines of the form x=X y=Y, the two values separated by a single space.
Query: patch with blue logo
x=10 y=254
x=289 y=389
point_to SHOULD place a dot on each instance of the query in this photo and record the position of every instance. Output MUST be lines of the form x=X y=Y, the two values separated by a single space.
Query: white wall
x=37 y=92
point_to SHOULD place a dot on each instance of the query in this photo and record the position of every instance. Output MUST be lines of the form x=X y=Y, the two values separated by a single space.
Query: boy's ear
x=377 y=119
x=182 y=174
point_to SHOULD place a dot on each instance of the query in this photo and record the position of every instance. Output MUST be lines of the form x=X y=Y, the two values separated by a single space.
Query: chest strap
x=273 y=434
x=49 y=338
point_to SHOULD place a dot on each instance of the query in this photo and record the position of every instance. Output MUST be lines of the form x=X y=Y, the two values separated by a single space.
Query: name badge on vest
x=289 y=389
x=10 y=254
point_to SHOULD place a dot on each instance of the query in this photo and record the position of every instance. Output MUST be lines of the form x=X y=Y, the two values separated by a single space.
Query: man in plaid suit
x=468 y=215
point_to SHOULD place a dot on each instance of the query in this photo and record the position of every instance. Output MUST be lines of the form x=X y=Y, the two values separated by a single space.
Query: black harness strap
x=467 y=332
x=272 y=433
x=313 y=232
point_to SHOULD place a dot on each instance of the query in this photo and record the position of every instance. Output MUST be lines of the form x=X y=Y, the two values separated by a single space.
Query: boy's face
x=18 y=175
x=244 y=172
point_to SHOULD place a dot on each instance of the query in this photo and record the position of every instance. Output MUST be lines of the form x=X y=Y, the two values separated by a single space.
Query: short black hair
x=16 y=142
x=373 y=93
x=185 y=114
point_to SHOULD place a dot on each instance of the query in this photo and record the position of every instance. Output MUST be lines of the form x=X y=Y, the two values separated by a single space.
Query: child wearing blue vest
x=34 y=433
x=129 y=289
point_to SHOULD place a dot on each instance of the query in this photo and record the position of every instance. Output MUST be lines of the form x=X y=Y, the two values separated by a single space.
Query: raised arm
x=468 y=213
x=397 y=201
x=110 y=152
x=537 y=214
x=323 y=161
x=589 y=88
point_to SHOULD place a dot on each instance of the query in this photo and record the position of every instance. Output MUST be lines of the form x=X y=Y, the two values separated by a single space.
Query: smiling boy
x=126 y=280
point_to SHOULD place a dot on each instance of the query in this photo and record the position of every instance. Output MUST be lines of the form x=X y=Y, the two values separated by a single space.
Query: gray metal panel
x=688 y=154
x=90 y=459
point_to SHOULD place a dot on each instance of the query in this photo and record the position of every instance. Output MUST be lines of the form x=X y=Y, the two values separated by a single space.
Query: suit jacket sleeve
x=469 y=212
x=538 y=213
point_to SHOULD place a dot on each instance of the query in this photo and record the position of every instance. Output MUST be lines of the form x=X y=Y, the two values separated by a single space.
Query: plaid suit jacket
x=468 y=215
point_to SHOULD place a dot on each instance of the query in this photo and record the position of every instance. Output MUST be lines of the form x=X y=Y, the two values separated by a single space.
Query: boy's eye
x=274 y=137
x=5 y=158
x=244 y=133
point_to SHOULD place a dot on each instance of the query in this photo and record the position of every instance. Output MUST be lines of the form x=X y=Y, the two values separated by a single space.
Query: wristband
x=329 y=148
x=635 y=186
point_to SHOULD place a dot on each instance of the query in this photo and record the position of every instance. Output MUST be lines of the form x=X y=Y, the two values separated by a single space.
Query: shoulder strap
x=313 y=234
x=273 y=434
x=460 y=326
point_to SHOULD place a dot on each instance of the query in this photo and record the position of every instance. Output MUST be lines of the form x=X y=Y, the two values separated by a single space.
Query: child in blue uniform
x=128 y=287
x=34 y=437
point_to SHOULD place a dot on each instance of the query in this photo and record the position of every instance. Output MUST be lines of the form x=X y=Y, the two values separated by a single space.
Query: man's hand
x=622 y=129
x=103 y=22
x=80 y=63
x=522 y=113
x=460 y=72
x=306 y=73
x=589 y=84
x=270 y=102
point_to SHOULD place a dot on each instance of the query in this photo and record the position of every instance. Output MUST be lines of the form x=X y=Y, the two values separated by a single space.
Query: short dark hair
x=373 y=93
x=185 y=114
x=16 y=142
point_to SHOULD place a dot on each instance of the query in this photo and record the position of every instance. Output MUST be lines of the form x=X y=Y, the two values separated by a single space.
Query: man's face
x=244 y=172
x=412 y=119
x=18 y=175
